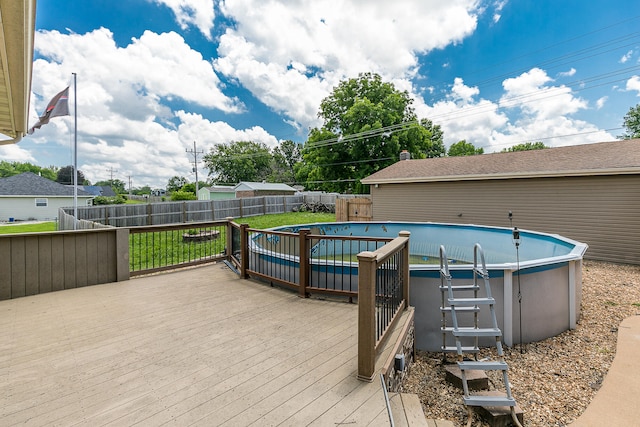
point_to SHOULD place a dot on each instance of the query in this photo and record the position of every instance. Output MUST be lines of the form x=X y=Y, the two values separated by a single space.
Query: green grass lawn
x=289 y=218
x=16 y=228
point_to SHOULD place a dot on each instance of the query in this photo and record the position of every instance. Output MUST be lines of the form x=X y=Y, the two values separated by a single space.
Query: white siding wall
x=24 y=208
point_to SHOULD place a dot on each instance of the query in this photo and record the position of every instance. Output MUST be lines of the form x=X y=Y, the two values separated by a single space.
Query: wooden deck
x=195 y=347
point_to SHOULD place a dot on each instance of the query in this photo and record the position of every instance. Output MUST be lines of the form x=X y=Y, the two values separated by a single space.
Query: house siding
x=24 y=207
x=601 y=211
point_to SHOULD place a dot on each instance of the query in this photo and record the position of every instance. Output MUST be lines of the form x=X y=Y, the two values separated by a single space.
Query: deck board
x=194 y=347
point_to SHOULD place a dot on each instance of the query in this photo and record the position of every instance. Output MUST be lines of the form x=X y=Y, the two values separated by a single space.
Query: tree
x=117 y=185
x=632 y=123
x=527 y=146
x=176 y=183
x=464 y=148
x=14 y=168
x=65 y=176
x=367 y=122
x=238 y=161
x=285 y=157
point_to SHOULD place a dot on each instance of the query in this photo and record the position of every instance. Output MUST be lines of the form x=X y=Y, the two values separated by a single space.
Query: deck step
x=468 y=309
x=471 y=301
x=407 y=410
x=470 y=287
x=476 y=332
x=476 y=400
x=465 y=349
x=483 y=366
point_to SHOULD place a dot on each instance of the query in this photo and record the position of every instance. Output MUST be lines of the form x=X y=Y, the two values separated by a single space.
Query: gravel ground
x=553 y=380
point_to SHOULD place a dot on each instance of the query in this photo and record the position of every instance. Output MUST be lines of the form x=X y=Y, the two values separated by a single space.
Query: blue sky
x=156 y=75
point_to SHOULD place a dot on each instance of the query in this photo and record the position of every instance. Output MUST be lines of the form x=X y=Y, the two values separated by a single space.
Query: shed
x=255 y=189
x=217 y=192
x=29 y=196
x=590 y=193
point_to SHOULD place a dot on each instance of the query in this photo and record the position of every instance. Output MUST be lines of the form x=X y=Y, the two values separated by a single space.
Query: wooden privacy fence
x=137 y=215
x=354 y=209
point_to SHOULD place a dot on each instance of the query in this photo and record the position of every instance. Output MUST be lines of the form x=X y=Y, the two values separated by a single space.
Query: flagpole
x=75 y=152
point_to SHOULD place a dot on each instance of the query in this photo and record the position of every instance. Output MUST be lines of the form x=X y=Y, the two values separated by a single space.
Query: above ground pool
x=539 y=300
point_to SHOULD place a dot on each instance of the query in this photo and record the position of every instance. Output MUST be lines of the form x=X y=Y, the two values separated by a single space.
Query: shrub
x=182 y=195
x=103 y=200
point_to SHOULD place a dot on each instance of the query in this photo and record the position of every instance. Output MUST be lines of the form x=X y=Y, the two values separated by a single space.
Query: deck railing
x=165 y=247
x=383 y=293
x=308 y=263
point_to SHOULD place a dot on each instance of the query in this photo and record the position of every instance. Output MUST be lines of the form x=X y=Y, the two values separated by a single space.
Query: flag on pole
x=58 y=106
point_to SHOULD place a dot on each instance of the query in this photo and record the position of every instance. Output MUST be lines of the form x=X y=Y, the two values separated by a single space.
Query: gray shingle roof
x=263 y=186
x=30 y=184
x=604 y=158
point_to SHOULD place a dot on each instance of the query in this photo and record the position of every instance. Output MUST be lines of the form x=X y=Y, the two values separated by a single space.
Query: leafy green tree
x=527 y=146
x=176 y=183
x=189 y=188
x=632 y=123
x=65 y=176
x=238 y=161
x=464 y=148
x=367 y=122
x=285 y=157
x=117 y=185
x=14 y=168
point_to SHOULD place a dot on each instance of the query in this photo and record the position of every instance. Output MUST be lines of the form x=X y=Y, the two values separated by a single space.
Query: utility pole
x=130 y=186
x=111 y=171
x=195 y=163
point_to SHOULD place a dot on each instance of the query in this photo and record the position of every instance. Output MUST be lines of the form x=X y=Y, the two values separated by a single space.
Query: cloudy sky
x=153 y=76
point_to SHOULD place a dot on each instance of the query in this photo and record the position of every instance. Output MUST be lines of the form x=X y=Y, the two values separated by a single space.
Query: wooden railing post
x=405 y=268
x=366 y=315
x=305 y=260
x=244 y=248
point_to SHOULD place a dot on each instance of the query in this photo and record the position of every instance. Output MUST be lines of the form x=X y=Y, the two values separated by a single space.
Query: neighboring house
x=216 y=192
x=590 y=193
x=97 y=190
x=254 y=189
x=31 y=197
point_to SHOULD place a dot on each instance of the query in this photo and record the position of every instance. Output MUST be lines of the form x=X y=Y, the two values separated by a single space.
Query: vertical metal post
x=304 y=261
x=405 y=268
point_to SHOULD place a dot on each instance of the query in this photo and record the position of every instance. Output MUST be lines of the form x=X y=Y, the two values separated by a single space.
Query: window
x=42 y=203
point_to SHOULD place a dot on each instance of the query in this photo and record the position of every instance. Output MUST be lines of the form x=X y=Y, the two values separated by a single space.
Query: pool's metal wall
x=602 y=211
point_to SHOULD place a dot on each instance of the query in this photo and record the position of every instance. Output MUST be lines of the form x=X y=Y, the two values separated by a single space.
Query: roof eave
x=483 y=177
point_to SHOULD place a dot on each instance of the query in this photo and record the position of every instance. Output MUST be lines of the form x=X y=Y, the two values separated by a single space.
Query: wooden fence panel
x=57 y=263
x=5 y=269
x=31 y=265
x=180 y=212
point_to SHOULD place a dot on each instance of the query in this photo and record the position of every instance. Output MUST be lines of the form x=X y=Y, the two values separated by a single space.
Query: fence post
x=244 y=248
x=366 y=315
x=149 y=214
x=405 y=268
x=304 y=261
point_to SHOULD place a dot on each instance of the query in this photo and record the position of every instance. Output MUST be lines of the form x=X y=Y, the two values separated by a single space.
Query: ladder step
x=476 y=332
x=461 y=288
x=489 y=401
x=493 y=365
x=471 y=301
x=461 y=309
x=465 y=349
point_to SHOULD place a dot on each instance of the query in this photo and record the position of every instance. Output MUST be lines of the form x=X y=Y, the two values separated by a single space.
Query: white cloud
x=291 y=54
x=531 y=109
x=627 y=56
x=634 y=84
x=192 y=12
x=498 y=5
x=601 y=101
x=15 y=153
x=569 y=73
x=122 y=101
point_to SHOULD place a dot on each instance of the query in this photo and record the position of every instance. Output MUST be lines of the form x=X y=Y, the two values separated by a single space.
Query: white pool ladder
x=457 y=305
